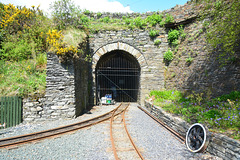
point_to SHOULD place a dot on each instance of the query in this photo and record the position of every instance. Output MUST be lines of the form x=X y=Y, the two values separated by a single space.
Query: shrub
x=15 y=50
x=169 y=19
x=161 y=96
x=168 y=56
x=99 y=14
x=189 y=59
x=231 y=96
x=175 y=42
x=153 y=33
x=41 y=59
x=23 y=34
x=157 y=42
x=105 y=19
x=173 y=35
x=154 y=19
x=55 y=40
x=87 y=12
x=139 y=22
x=84 y=19
x=127 y=21
x=182 y=34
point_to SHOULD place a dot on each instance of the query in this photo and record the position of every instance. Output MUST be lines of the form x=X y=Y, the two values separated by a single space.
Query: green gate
x=10 y=111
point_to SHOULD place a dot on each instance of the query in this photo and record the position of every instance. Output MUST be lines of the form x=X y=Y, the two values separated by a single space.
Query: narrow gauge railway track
x=122 y=143
x=26 y=138
x=173 y=132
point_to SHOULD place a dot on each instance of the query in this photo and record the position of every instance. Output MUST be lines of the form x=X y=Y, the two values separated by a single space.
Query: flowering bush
x=55 y=40
x=14 y=19
x=22 y=32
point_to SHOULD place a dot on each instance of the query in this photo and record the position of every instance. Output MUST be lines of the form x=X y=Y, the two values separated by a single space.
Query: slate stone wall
x=66 y=92
x=150 y=56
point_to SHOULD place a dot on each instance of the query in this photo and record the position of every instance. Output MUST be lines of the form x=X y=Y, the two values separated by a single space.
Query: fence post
x=19 y=110
x=2 y=110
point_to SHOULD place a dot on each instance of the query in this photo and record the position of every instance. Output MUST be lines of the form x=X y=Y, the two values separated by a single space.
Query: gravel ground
x=40 y=126
x=156 y=141
x=86 y=144
x=93 y=143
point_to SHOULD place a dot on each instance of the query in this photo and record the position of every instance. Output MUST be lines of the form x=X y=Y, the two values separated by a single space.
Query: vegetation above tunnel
x=26 y=34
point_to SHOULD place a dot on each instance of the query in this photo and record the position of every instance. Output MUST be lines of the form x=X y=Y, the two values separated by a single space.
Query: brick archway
x=118 y=46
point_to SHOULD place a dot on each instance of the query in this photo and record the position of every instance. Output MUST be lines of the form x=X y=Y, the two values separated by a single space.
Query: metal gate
x=118 y=73
x=10 y=111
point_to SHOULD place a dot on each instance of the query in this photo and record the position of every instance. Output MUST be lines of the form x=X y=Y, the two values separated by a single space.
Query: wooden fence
x=10 y=111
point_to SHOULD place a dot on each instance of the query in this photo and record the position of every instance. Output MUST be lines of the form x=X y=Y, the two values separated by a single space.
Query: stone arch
x=118 y=46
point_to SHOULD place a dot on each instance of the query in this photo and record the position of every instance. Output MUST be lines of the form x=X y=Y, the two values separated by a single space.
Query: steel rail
x=17 y=140
x=111 y=135
x=173 y=132
x=129 y=136
x=125 y=127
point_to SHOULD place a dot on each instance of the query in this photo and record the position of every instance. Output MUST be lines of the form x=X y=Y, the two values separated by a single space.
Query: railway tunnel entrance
x=118 y=74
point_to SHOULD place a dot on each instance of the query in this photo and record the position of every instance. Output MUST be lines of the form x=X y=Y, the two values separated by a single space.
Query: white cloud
x=102 y=6
x=92 y=5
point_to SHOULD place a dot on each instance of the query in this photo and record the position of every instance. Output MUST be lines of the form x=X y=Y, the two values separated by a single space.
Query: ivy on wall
x=222 y=23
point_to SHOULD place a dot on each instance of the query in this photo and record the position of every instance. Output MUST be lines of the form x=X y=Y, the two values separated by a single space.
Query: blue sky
x=151 y=5
x=107 y=5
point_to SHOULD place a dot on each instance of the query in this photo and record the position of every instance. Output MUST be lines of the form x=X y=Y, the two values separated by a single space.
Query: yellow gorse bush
x=55 y=40
x=15 y=19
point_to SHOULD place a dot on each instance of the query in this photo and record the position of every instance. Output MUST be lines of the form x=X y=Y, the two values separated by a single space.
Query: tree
x=63 y=13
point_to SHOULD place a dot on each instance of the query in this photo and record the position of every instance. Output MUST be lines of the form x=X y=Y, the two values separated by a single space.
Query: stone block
x=29 y=104
x=28 y=119
x=55 y=114
x=56 y=107
x=33 y=109
x=39 y=108
x=49 y=111
x=71 y=114
x=112 y=46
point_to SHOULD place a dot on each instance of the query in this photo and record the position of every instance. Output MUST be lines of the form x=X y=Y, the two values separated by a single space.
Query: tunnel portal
x=118 y=74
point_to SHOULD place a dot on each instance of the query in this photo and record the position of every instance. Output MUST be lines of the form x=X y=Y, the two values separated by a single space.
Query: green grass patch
x=221 y=114
x=23 y=78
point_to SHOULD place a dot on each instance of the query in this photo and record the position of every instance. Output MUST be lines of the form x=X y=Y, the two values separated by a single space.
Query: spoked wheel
x=197 y=138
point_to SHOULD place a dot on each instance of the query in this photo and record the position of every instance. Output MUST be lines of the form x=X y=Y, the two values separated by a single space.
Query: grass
x=23 y=78
x=95 y=27
x=221 y=114
x=73 y=36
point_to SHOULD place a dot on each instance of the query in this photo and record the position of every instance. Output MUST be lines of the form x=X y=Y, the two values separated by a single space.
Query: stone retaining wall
x=66 y=84
x=150 y=56
x=219 y=145
x=33 y=109
x=60 y=89
x=179 y=12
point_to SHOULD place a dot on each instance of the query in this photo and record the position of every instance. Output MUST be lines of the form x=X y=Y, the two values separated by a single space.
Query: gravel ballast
x=156 y=141
x=93 y=143
x=86 y=144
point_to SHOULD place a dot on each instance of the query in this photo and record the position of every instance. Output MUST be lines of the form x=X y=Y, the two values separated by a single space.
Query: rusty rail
x=173 y=132
x=125 y=127
x=22 y=139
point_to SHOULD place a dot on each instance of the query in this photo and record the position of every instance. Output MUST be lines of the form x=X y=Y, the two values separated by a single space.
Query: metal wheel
x=197 y=138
